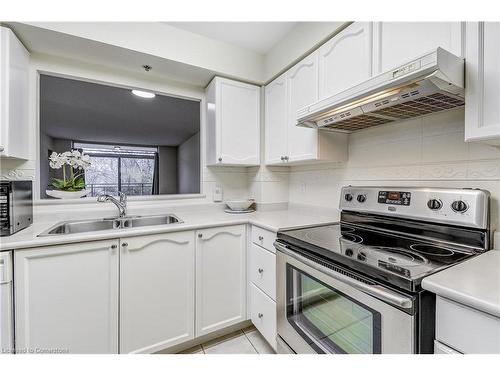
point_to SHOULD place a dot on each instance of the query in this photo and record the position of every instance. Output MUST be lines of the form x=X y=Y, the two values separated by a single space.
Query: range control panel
x=400 y=198
x=464 y=207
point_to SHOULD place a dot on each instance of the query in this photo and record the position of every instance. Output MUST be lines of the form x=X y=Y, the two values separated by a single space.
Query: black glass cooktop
x=397 y=259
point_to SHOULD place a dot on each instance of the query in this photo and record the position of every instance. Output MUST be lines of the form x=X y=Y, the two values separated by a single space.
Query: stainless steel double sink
x=92 y=225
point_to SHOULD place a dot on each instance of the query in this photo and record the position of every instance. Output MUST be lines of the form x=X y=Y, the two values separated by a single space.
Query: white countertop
x=475 y=283
x=193 y=218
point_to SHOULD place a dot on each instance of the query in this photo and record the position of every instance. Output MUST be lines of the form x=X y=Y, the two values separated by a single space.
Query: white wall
x=164 y=41
x=429 y=151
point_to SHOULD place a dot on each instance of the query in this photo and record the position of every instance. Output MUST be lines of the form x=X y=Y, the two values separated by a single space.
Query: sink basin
x=82 y=226
x=144 y=221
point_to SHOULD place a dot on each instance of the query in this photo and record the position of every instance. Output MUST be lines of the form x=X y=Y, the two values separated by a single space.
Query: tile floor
x=246 y=341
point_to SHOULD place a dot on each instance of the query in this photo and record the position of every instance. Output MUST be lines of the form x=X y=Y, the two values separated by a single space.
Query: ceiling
x=90 y=112
x=259 y=37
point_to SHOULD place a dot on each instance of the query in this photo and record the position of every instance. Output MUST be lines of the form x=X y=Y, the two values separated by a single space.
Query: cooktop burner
x=388 y=256
x=432 y=250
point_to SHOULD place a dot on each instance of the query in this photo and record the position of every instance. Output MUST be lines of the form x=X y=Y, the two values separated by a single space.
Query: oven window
x=328 y=320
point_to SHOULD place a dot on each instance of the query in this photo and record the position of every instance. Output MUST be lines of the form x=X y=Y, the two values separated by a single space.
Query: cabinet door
x=276 y=121
x=346 y=59
x=220 y=278
x=238 y=113
x=302 y=84
x=482 y=112
x=156 y=291
x=263 y=314
x=396 y=43
x=14 y=77
x=67 y=297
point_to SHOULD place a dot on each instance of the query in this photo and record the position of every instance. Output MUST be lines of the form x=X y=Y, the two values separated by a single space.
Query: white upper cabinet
x=14 y=74
x=482 y=110
x=397 y=42
x=346 y=59
x=286 y=143
x=220 y=278
x=233 y=123
x=302 y=83
x=276 y=121
x=156 y=291
x=66 y=297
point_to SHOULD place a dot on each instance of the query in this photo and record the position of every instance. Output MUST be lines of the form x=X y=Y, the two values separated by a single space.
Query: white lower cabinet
x=466 y=329
x=156 y=291
x=220 y=278
x=132 y=295
x=262 y=269
x=66 y=298
x=263 y=314
x=262 y=283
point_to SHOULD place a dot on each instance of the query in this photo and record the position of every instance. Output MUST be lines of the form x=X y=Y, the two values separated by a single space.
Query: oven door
x=321 y=310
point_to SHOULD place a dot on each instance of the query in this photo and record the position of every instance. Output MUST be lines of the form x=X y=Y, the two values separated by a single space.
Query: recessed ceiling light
x=143 y=94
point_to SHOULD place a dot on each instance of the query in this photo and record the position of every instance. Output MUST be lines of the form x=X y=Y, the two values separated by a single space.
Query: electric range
x=373 y=262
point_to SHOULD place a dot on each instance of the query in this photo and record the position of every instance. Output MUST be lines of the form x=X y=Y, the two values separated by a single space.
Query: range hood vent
x=430 y=84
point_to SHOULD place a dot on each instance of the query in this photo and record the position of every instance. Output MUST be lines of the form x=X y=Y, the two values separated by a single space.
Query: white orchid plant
x=76 y=160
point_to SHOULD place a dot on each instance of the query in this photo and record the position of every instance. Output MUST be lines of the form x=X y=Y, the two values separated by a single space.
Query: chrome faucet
x=120 y=204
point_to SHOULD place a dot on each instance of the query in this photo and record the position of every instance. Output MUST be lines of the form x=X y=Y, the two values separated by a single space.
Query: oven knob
x=434 y=204
x=459 y=206
x=348 y=252
x=361 y=198
x=348 y=197
x=361 y=256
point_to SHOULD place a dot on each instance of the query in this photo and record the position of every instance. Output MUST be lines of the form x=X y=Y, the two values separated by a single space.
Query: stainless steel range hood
x=431 y=83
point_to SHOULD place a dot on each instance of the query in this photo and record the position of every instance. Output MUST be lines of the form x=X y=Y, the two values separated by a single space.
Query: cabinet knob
x=2 y=148
x=261 y=238
x=200 y=235
x=220 y=159
x=286 y=158
x=124 y=244
x=260 y=315
x=113 y=247
x=260 y=270
x=282 y=158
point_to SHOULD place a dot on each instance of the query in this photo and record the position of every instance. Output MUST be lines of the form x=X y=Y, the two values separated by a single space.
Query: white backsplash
x=428 y=151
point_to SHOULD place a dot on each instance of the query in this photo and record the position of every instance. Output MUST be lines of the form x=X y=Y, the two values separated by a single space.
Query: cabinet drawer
x=263 y=315
x=468 y=330
x=263 y=270
x=264 y=238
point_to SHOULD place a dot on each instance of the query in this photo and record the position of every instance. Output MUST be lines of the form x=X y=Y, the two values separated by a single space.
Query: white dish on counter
x=240 y=205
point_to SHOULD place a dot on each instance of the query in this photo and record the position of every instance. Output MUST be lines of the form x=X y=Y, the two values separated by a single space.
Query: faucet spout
x=120 y=204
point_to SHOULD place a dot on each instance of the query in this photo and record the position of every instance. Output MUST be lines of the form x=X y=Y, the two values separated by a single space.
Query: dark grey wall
x=167 y=168
x=188 y=161
x=46 y=173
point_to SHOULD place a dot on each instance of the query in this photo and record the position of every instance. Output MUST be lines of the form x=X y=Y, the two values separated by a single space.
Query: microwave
x=16 y=206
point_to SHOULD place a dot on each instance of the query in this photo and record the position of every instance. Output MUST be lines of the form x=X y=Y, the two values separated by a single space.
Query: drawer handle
x=113 y=247
x=200 y=235
x=260 y=270
x=261 y=238
x=260 y=315
x=124 y=244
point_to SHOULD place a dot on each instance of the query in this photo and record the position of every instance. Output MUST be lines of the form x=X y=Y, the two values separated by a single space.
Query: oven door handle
x=377 y=291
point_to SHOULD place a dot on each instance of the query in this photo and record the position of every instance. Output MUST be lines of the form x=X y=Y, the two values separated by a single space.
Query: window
x=115 y=168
